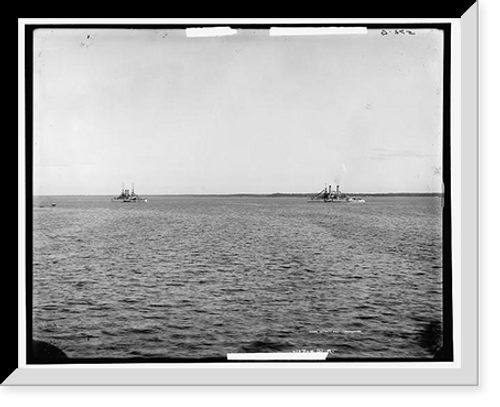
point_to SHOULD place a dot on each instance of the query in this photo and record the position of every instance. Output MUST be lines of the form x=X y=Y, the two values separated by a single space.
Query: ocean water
x=181 y=277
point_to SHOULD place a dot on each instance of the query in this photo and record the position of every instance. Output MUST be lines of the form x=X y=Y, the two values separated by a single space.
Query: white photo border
x=464 y=159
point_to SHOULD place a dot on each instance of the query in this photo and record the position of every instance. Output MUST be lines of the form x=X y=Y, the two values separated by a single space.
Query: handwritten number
x=397 y=32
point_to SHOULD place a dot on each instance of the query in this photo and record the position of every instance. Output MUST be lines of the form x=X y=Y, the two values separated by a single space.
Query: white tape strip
x=278 y=356
x=287 y=31
x=210 y=31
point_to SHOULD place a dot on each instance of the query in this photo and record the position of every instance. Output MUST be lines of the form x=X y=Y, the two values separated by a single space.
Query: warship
x=327 y=195
x=128 y=196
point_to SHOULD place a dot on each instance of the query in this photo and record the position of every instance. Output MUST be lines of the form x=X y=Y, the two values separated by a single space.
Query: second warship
x=327 y=195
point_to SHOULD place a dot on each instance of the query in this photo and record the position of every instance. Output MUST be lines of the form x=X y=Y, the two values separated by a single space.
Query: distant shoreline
x=276 y=195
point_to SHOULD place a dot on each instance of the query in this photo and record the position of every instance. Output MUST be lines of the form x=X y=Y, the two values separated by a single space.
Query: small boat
x=49 y=202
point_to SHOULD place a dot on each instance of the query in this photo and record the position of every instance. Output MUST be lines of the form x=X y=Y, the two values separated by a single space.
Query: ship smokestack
x=329 y=189
x=338 y=189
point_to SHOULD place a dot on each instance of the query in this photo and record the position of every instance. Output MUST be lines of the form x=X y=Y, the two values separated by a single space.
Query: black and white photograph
x=240 y=193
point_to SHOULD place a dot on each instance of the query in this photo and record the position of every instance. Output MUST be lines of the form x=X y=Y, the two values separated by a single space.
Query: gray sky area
x=242 y=113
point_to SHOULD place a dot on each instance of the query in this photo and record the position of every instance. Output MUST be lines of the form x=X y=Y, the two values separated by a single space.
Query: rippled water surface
x=201 y=277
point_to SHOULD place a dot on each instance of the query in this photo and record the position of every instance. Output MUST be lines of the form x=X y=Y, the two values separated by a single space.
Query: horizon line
x=251 y=194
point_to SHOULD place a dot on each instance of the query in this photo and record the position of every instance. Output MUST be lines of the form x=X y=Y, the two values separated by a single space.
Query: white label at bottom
x=278 y=356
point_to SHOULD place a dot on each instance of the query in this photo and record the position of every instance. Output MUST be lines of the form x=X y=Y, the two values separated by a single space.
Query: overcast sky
x=243 y=113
